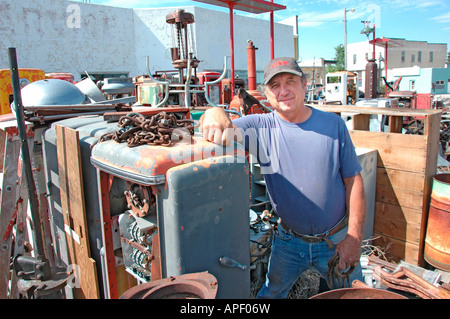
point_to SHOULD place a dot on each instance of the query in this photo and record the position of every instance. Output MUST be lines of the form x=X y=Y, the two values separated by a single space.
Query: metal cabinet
x=187 y=211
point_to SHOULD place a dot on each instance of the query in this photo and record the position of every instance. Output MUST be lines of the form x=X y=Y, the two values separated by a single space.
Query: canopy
x=253 y=6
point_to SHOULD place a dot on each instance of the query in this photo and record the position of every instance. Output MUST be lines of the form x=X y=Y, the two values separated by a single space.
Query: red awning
x=253 y=6
x=385 y=42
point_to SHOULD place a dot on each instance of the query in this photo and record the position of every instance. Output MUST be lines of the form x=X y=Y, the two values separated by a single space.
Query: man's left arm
x=350 y=248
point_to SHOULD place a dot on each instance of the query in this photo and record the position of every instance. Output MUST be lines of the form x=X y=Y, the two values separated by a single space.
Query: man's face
x=286 y=93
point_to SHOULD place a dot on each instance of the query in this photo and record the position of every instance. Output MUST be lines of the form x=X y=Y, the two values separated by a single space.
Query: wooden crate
x=405 y=168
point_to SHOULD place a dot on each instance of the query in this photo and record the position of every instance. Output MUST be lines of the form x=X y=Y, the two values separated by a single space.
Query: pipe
x=272 y=41
x=166 y=84
x=231 y=5
x=207 y=84
x=32 y=193
x=187 y=93
x=251 y=66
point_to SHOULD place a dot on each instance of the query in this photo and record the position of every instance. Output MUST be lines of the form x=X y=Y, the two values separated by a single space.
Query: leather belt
x=318 y=238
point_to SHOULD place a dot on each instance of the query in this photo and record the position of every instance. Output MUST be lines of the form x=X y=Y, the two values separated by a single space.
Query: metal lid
x=51 y=92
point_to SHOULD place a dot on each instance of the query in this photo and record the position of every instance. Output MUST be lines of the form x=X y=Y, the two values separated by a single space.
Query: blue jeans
x=291 y=256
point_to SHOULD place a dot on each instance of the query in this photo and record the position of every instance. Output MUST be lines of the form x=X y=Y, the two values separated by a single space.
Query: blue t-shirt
x=303 y=166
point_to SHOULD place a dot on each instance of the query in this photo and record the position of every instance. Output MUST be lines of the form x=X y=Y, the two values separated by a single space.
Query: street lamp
x=345 y=35
x=367 y=31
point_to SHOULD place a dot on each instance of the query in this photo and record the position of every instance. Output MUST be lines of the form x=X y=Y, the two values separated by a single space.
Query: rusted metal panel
x=147 y=164
x=203 y=210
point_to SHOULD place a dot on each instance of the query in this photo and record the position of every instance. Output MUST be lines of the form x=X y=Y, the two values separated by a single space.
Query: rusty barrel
x=437 y=240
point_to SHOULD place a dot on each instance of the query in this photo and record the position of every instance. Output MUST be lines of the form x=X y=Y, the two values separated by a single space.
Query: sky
x=321 y=22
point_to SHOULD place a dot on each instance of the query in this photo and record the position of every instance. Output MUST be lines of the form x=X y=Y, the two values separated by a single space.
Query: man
x=312 y=176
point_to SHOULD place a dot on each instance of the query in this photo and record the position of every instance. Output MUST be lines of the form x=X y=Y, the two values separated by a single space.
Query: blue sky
x=321 y=26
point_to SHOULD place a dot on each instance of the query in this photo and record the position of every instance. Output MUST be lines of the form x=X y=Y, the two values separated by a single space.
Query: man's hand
x=217 y=127
x=350 y=248
x=349 y=252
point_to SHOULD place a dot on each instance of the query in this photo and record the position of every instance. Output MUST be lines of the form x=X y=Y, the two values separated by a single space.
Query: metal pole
x=385 y=67
x=345 y=39
x=272 y=41
x=32 y=193
x=231 y=6
x=345 y=35
x=297 y=49
x=373 y=54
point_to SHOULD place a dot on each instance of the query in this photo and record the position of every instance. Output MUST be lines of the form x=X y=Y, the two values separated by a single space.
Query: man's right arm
x=217 y=127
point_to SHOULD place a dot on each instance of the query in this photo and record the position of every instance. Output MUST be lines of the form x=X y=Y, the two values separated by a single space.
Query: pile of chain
x=135 y=129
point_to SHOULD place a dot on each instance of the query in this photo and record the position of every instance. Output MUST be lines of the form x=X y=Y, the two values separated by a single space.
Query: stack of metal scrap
x=411 y=279
x=53 y=99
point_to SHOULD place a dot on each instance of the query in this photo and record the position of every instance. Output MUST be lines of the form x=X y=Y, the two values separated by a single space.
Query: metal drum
x=437 y=240
x=201 y=285
x=358 y=293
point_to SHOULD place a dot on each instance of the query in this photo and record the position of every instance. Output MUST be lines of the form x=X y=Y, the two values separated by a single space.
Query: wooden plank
x=398 y=250
x=395 y=151
x=432 y=132
x=361 y=122
x=395 y=124
x=376 y=110
x=8 y=207
x=111 y=277
x=2 y=148
x=398 y=222
x=398 y=196
x=400 y=179
x=20 y=234
x=72 y=203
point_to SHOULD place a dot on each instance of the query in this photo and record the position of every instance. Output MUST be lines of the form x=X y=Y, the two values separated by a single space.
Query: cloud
x=312 y=19
x=443 y=18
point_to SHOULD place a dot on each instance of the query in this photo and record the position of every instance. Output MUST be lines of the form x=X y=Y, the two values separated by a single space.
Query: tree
x=339 y=57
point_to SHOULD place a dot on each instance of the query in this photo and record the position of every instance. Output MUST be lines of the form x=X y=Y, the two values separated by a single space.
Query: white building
x=74 y=37
x=400 y=54
x=315 y=69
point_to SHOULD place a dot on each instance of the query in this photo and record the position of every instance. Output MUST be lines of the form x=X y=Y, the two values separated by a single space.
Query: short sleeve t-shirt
x=303 y=165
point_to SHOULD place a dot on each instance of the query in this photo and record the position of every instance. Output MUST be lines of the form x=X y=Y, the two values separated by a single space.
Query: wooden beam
x=74 y=214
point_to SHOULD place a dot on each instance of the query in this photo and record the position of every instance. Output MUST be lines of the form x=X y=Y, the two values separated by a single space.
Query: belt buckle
x=311 y=239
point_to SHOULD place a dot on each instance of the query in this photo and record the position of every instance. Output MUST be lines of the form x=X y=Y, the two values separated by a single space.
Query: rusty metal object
x=140 y=199
x=40 y=289
x=158 y=129
x=359 y=290
x=201 y=285
x=335 y=275
x=406 y=280
x=180 y=54
x=437 y=241
x=37 y=279
x=148 y=165
x=358 y=293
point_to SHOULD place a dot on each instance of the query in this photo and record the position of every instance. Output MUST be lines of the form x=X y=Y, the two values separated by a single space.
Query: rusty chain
x=335 y=275
x=135 y=129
